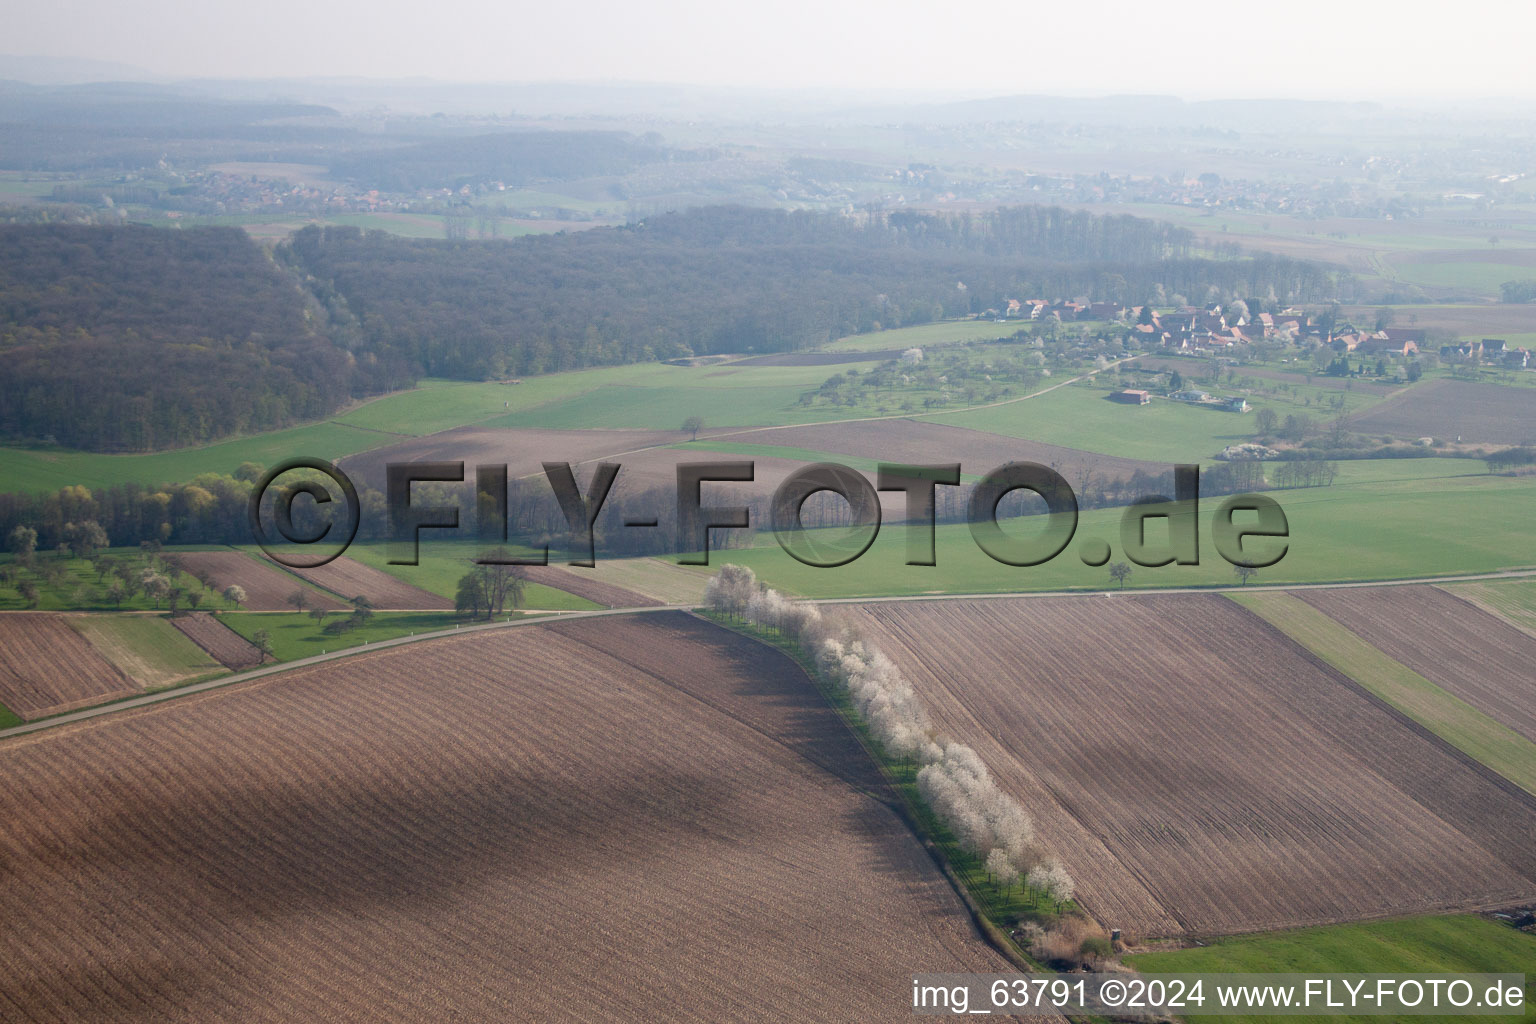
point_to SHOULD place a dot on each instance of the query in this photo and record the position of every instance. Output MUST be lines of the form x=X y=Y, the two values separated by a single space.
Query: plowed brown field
x=350 y=579
x=588 y=583
x=267 y=587
x=1197 y=771
x=1466 y=651
x=46 y=667
x=1448 y=409
x=642 y=819
x=918 y=442
x=228 y=648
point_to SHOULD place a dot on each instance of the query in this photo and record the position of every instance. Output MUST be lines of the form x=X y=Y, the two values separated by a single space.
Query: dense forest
x=733 y=279
x=134 y=338
x=513 y=158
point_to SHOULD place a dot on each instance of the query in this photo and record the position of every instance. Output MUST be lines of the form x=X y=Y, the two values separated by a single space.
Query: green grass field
x=648 y=396
x=1479 y=277
x=1447 y=716
x=39 y=468
x=1415 y=945
x=1081 y=416
x=1391 y=528
x=919 y=335
x=643 y=396
x=533 y=198
x=444 y=562
x=296 y=635
x=148 y=649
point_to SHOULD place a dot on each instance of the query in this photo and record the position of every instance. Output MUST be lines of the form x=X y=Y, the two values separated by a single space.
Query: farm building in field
x=1191 y=396
x=1238 y=404
x=1132 y=396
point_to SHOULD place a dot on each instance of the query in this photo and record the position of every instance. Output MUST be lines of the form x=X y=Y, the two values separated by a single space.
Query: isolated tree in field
x=1245 y=573
x=1297 y=428
x=156 y=586
x=262 y=640
x=1265 y=423
x=1119 y=572
x=694 y=424
x=194 y=597
x=85 y=539
x=23 y=544
x=318 y=614
x=362 y=609
x=234 y=595
x=488 y=588
x=469 y=599
x=299 y=599
x=1175 y=381
x=116 y=592
x=28 y=591
x=174 y=595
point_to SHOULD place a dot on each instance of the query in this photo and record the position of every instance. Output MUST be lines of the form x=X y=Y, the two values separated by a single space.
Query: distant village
x=1213 y=331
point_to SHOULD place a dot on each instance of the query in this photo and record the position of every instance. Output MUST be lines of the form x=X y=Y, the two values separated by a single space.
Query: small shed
x=1132 y=396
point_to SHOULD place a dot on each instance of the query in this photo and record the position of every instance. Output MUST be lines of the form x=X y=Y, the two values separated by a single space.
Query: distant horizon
x=1194 y=49
x=53 y=71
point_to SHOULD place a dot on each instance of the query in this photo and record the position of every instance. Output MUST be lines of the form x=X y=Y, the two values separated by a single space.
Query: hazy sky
x=1343 y=49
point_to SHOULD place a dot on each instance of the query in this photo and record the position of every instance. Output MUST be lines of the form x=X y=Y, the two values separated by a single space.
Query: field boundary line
x=562 y=615
x=1410 y=581
x=160 y=696
x=900 y=805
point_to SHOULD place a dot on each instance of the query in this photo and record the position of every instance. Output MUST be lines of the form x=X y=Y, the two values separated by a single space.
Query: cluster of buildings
x=1488 y=352
x=1211 y=329
x=1135 y=396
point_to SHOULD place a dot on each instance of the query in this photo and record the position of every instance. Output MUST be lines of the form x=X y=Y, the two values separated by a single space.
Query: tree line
x=951 y=778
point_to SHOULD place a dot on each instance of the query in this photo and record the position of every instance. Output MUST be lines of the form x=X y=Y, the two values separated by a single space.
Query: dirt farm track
x=1202 y=773
x=575 y=821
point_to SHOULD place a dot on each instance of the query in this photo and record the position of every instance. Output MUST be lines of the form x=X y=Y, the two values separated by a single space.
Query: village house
x=1378 y=345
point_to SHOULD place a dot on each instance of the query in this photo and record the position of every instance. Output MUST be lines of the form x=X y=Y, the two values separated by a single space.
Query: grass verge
x=1416 y=945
